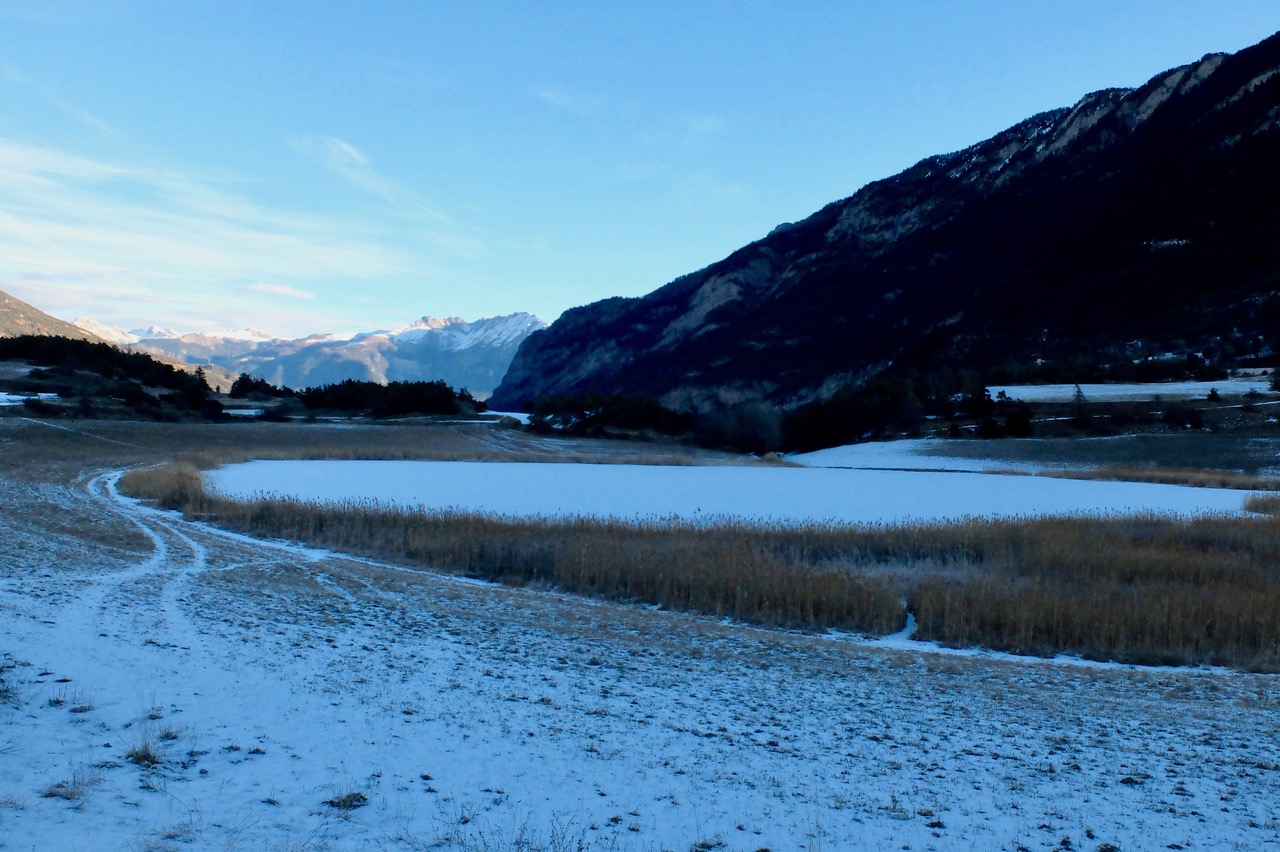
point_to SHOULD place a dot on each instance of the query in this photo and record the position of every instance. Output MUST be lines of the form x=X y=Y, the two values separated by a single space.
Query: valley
x=944 y=517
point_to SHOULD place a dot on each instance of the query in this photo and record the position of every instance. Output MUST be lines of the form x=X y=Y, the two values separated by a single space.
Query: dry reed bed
x=1145 y=589
x=1194 y=477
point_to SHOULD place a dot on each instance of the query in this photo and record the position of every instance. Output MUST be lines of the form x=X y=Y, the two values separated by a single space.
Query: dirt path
x=268 y=679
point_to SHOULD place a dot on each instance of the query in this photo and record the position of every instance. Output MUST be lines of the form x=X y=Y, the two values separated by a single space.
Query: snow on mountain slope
x=108 y=333
x=465 y=354
x=473 y=355
x=241 y=334
x=154 y=332
x=456 y=333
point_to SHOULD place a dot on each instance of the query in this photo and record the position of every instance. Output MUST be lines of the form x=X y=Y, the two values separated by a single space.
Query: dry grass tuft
x=171 y=486
x=144 y=754
x=71 y=789
x=1263 y=504
x=348 y=801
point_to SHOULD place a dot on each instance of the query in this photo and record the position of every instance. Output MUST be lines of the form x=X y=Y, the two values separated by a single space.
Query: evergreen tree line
x=65 y=356
x=97 y=371
x=94 y=372
x=393 y=399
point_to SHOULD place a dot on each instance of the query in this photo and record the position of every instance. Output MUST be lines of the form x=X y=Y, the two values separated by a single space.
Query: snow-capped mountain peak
x=436 y=323
x=456 y=333
x=242 y=334
x=474 y=355
x=155 y=332
x=108 y=333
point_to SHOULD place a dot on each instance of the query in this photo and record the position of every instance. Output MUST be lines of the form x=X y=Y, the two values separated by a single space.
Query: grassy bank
x=1133 y=589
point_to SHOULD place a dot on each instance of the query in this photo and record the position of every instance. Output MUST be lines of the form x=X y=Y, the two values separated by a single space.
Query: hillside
x=82 y=378
x=1138 y=223
x=17 y=318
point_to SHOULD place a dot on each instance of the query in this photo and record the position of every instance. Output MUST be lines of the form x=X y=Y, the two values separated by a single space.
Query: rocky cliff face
x=1137 y=221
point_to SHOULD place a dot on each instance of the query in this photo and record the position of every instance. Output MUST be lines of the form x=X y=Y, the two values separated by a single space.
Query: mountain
x=472 y=355
x=18 y=318
x=151 y=332
x=1136 y=223
x=204 y=347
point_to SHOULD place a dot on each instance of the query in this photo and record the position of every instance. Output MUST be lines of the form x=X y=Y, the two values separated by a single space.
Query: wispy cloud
x=281 y=290
x=91 y=232
x=412 y=76
x=698 y=126
x=83 y=116
x=356 y=168
x=98 y=215
x=563 y=99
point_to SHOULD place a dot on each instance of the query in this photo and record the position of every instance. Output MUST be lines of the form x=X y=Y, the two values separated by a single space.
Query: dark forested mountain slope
x=1138 y=222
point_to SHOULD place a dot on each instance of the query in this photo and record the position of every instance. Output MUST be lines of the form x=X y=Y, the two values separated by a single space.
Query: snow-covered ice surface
x=1138 y=391
x=270 y=679
x=754 y=492
x=909 y=454
x=7 y=399
x=518 y=416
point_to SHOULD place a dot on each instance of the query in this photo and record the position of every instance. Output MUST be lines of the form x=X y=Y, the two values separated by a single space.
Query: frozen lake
x=692 y=493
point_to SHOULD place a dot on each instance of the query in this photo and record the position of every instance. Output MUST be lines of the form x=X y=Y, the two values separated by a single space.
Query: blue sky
x=313 y=165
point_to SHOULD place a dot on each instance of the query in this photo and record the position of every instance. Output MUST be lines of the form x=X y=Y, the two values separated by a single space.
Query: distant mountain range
x=1134 y=224
x=471 y=355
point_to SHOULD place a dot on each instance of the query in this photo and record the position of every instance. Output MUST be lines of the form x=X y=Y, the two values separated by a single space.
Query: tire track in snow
x=175 y=559
x=103 y=488
x=182 y=553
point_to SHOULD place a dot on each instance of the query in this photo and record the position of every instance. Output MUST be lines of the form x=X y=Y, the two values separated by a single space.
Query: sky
x=306 y=166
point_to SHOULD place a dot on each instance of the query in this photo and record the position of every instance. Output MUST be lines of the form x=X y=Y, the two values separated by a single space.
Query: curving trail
x=269 y=679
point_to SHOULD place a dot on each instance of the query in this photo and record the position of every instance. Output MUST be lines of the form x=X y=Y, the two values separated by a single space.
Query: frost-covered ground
x=269 y=679
x=816 y=493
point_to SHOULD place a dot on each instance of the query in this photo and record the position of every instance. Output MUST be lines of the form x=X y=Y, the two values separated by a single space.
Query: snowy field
x=1137 y=391
x=752 y=492
x=270 y=680
x=302 y=700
